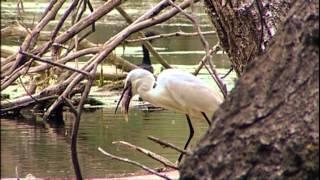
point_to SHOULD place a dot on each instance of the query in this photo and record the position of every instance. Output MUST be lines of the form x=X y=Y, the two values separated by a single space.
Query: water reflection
x=44 y=150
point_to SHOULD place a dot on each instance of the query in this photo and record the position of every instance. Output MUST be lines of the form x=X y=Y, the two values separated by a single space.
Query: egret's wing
x=179 y=75
x=189 y=92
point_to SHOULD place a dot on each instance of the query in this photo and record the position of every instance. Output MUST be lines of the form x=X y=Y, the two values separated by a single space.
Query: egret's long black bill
x=123 y=92
x=125 y=99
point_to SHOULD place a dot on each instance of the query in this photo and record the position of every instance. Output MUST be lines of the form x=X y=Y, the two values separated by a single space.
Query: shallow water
x=45 y=151
x=29 y=146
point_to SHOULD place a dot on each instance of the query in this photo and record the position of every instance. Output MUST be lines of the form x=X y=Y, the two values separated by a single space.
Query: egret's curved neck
x=144 y=86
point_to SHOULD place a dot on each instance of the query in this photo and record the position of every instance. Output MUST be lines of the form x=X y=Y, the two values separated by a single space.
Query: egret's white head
x=137 y=80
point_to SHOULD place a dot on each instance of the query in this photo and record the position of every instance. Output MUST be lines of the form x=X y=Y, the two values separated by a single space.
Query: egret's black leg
x=206 y=117
x=189 y=139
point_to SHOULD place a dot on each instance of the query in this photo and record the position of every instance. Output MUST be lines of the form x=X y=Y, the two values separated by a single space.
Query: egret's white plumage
x=175 y=90
x=180 y=91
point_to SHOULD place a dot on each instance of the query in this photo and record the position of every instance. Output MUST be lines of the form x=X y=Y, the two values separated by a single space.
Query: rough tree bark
x=268 y=128
x=238 y=24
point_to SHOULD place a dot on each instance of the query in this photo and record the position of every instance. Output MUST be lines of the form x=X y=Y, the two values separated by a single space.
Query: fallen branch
x=166 y=144
x=26 y=100
x=12 y=105
x=63 y=37
x=37 y=58
x=115 y=41
x=150 y=154
x=177 y=34
x=31 y=38
x=133 y=163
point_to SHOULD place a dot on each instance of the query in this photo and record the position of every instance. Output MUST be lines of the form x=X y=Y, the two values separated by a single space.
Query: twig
x=83 y=9
x=82 y=37
x=63 y=18
x=55 y=64
x=203 y=40
x=178 y=34
x=153 y=155
x=20 y=2
x=68 y=103
x=230 y=70
x=133 y=163
x=27 y=92
x=67 y=58
x=93 y=29
x=13 y=76
x=59 y=45
x=166 y=144
x=202 y=62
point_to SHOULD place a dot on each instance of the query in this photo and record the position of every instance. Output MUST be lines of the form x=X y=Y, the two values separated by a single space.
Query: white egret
x=175 y=90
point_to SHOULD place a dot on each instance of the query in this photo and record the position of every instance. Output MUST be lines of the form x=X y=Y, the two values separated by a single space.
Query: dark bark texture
x=268 y=127
x=239 y=26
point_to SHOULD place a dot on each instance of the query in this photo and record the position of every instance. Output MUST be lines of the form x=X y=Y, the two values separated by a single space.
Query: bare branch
x=166 y=144
x=27 y=92
x=31 y=38
x=133 y=163
x=178 y=34
x=55 y=64
x=214 y=50
x=23 y=102
x=112 y=43
x=147 y=44
x=230 y=70
x=152 y=155
x=62 y=38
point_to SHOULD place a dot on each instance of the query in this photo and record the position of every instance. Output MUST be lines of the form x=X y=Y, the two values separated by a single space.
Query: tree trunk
x=268 y=127
x=238 y=24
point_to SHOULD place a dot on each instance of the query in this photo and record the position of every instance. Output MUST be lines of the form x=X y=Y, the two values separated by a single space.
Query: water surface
x=30 y=146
